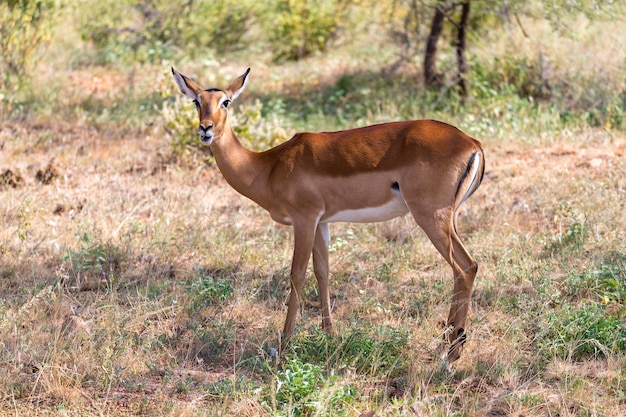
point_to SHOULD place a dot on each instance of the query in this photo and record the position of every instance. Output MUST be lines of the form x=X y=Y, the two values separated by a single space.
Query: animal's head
x=212 y=104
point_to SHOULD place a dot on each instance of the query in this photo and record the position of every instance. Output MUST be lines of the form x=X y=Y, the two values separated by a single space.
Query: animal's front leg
x=320 y=267
x=304 y=234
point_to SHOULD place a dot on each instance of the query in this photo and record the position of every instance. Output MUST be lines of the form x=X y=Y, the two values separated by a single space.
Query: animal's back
x=377 y=147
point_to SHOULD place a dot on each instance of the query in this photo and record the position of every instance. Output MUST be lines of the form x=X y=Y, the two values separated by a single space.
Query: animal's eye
x=226 y=103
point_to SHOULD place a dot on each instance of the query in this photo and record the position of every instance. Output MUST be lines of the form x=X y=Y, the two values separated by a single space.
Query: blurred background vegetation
x=427 y=56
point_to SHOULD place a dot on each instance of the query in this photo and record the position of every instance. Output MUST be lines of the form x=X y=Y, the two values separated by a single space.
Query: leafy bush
x=255 y=130
x=594 y=99
x=220 y=25
x=598 y=97
x=25 y=25
x=152 y=30
x=299 y=28
x=142 y=30
x=523 y=76
x=180 y=122
x=260 y=126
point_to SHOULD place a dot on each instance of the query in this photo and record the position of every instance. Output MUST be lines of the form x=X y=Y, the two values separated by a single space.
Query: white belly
x=388 y=211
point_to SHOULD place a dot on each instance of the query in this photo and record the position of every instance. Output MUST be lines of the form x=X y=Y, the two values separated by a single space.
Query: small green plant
x=304 y=389
x=584 y=331
x=24 y=214
x=183 y=386
x=86 y=259
x=573 y=233
x=92 y=266
x=213 y=340
x=605 y=283
x=206 y=290
x=383 y=351
x=227 y=387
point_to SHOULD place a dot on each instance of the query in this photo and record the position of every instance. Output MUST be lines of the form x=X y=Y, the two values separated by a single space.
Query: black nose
x=206 y=133
x=206 y=128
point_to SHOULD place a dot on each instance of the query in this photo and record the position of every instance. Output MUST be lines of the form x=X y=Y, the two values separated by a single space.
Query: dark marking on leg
x=395 y=186
x=462 y=336
x=459 y=341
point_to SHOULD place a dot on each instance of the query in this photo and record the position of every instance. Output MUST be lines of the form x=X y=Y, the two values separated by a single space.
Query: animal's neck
x=241 y=168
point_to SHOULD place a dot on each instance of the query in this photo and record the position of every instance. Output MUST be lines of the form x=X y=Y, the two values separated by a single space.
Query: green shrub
x=299 y=28
x=180 y=122
x=528 y=76
x=220 y=25
x=255 y=130
x=25 y=26
x=153 y=30
x=133 y=30
x=598 y=98
x=594 y=99
x=260 y=126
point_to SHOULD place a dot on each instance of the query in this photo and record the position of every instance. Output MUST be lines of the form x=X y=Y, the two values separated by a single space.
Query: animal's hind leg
x=463 y=284
x=439 y=227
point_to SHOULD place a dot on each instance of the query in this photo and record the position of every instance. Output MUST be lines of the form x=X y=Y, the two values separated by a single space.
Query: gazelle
x=369 y=174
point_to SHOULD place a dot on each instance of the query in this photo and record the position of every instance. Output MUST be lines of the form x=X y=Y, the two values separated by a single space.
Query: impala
x=369 y=174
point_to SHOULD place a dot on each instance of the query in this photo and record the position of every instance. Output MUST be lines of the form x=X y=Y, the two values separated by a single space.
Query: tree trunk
x=432 y=78
x=460 y=47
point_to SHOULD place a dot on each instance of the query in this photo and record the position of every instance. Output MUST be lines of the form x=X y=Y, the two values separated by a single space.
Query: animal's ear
x=186 y=85
x=237 y=86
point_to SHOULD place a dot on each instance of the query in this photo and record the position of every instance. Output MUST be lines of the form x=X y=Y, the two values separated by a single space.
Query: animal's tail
x=471 y=179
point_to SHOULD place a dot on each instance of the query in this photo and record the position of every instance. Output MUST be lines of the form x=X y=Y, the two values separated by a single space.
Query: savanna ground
x=135 y=281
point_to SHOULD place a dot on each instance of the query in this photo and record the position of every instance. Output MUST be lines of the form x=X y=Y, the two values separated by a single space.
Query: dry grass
x=134 y=285
x=89 y=336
